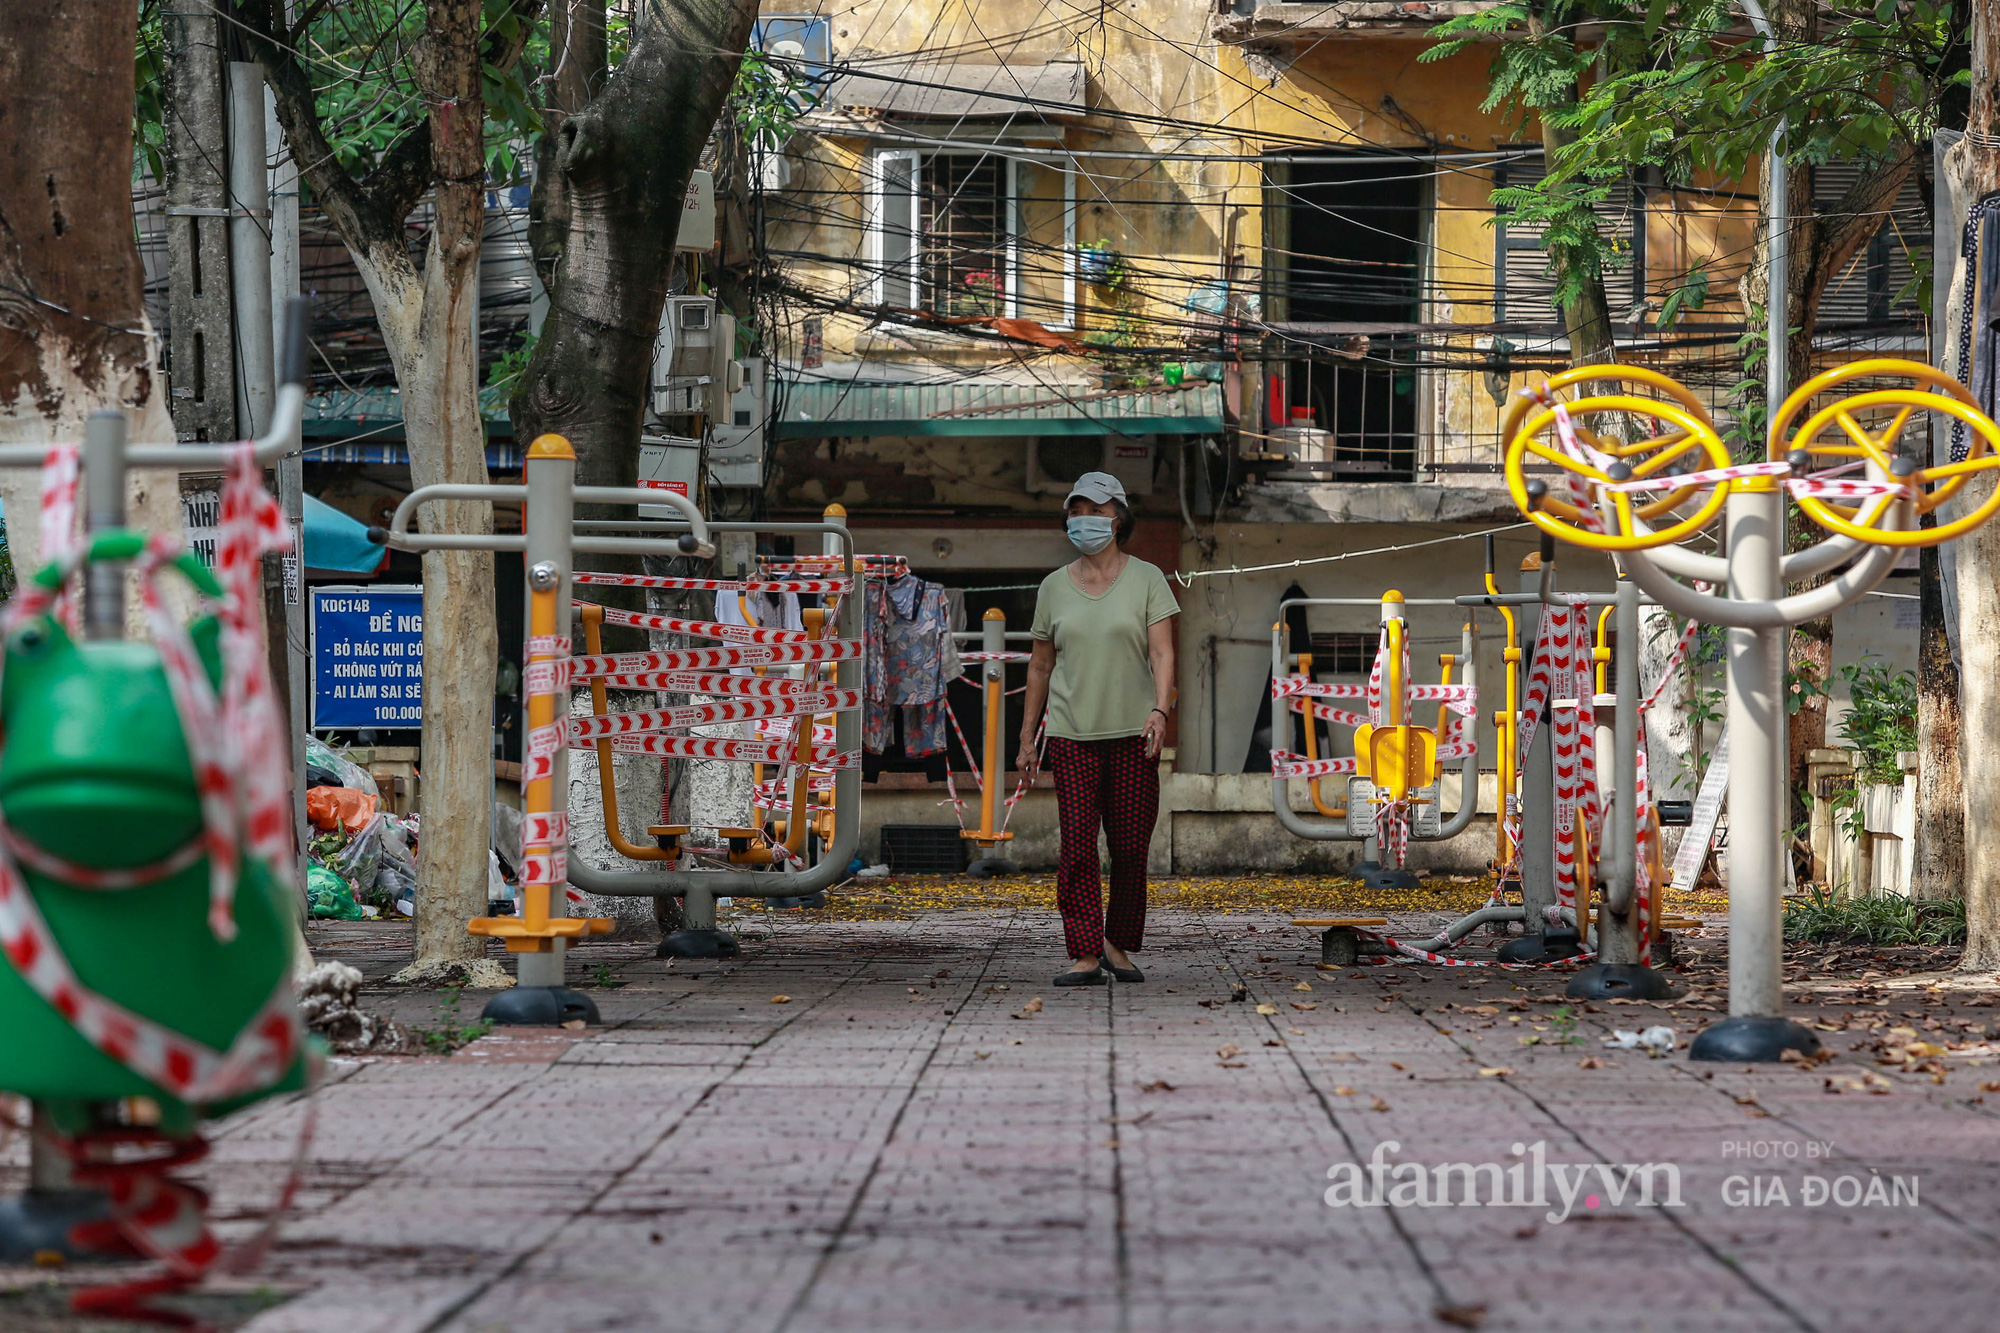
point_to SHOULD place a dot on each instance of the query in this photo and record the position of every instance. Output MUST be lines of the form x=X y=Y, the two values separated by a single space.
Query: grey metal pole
x=104 y=507
x=1756 y=775
x=250 y=250
x=284 y=206
x=1538 y=782
x=1617 y=940
x=549 y=513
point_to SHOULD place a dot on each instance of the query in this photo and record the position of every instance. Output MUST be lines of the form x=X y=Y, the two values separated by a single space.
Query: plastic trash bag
x=507 y=834
x=360 y=860
x=345 y=772
x=327 y=807
x=328 y=897
x=1655 y=1041
x=394 y=881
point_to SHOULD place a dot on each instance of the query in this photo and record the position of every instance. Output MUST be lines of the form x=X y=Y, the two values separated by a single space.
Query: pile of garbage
x=361 y=861
x=329 y=1004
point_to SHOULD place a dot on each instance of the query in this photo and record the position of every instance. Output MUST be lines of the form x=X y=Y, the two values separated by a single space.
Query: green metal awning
x=818 y=410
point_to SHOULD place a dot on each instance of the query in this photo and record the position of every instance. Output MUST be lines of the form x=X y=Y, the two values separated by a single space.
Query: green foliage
x=1821 y=918
x=1881 y=717
x=1690 y=294
x=360 y=57
x=1678 y=88
x=450 y=1034
x=506 y=369
x=768 y=99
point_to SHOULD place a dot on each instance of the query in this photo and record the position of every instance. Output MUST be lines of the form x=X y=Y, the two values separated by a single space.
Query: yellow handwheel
x=1859 y=521
x=1612 y=372
x=1690 y=434
x=1783 y=442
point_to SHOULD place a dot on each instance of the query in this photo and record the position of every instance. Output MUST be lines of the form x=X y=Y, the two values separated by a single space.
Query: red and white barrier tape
x=583 y=729
x=702 y=629
x=710 y=682
x=60 y=534
x=994 y=657
x=714 y=659
x=590 y=576
x=734 y=751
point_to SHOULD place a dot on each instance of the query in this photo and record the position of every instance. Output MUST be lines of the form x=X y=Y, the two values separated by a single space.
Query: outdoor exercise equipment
x=549 y=545
x=1600 y=471
x=1394 y=775
x=990 y=765
x=1565 y=802
x=149 y=916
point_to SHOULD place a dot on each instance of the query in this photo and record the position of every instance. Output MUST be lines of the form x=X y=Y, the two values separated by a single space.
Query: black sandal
x=1126 y=975
x=1094 y=977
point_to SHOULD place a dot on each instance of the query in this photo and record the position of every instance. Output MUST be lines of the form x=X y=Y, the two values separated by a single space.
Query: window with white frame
x=971 y=234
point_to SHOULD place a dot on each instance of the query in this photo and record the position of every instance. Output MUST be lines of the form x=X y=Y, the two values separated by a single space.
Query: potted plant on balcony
x=1100 y=265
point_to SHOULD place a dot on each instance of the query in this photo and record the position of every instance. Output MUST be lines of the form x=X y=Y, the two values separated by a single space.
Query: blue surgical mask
x=1091 y=533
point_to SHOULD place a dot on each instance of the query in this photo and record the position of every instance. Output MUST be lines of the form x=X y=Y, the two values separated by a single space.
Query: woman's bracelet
x=1161 y=711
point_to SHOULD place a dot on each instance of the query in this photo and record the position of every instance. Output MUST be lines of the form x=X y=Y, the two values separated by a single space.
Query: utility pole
x=201 y=346
x=291 y=675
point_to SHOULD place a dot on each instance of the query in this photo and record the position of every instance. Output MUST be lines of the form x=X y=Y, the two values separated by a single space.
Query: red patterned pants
x=1111 y=783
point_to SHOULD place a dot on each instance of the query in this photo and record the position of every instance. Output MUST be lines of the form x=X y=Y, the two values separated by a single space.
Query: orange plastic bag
x=329 y=806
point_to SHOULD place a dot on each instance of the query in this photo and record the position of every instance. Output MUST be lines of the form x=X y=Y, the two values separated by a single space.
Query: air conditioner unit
x=736 y=455
x=669 y=463
x=1056 y=461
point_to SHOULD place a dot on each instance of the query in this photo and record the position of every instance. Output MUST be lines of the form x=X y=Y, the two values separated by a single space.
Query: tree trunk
x=625 y=161
x=1940 y=859
x=427 y=321
x=610 y=191
x=1586 y=318
x=74 y=338
x=1979 y=568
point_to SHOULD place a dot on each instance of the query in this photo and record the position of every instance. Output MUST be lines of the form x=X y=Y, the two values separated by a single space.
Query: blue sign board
x=368 y=657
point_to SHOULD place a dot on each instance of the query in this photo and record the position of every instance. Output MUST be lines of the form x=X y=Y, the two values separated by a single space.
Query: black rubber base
x=38 y=1222
x=539 y=1007
x=986 y=867
x=1552 y=945
x=1752 y=1041
x=1390 y=879
x=693 y=943
x=807 y=900
x=1618 y=981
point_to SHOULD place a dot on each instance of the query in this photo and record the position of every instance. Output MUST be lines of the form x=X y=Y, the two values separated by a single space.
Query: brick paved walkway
x=898 y=1147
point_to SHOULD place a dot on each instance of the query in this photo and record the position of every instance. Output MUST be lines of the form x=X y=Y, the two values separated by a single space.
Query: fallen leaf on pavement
x=1229 y=1051
x=1590 y=1062
x=1305 y=1005
x=1464 y=1316
x=1267 y=1009
x=1303 y=985
x=781 y=999
x=982 y=1055
x=1378 y=1105
x=1033 y=1006
x=1342 y=1090
x=1495 y=1071
x=1157 y=1085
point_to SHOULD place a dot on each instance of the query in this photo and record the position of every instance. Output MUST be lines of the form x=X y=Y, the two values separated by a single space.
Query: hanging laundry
x=911 y=658
x=770 y=610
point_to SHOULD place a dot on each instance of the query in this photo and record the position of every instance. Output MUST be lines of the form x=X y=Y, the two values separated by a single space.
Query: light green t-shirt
x=1103 y=682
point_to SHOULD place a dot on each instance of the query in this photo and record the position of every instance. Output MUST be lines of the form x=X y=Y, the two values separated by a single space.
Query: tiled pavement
x=898 y=1148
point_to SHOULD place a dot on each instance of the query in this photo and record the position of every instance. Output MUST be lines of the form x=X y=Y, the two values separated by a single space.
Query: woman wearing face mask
x=1104 y=664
